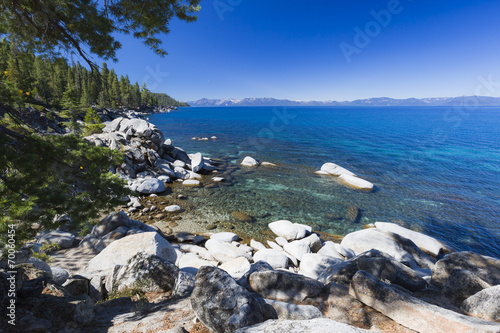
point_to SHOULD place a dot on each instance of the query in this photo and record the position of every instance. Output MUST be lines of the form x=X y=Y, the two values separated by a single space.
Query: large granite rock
x=318 y=325
x=486 y=268
x=63 y=239
x=149 y=272
x=249 y=161
x=412 y=312
x=197 y=162
x=367 y=239
x=290 y=311
x=335 y=170
x=313 y=264
x=463 y=283
x=115 y=220
x=151 y=185
x=223 y=251
x=425 y=243
x=236 y=267
x=275 y=258
x=377 y=263
x=485 y=304
x=284 y=286
x=120 y=251
x=356 y=182
x=223 y=305
x=289 y=230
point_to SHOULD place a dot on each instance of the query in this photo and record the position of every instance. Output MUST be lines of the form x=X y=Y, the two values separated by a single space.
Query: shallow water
x=435 y=169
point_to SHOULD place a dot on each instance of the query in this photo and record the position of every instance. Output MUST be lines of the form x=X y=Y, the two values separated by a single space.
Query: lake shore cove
x=126 y=275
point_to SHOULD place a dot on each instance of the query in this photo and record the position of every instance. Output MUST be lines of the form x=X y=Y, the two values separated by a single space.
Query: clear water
x=435 y=169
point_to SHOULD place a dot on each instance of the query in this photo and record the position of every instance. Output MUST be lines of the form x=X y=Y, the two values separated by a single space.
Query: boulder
x=356 y=182
x=184 y=285
x=190 y=262
x=40 y=264
x=65 y=310
x=289 y=230
x=218 y=179
x=335 y=170
x=485 y=304
x=115 y=220
x=412 y=312
x=486 y=268
x=151 y=185
x=463 y=283
x=223 y=252
x=259 y=266
x=197 y=250
x=313 y=264
x=236 y=267
x=274 y=245
x=425 y=243
x=59 y=275
x=275 y=258
x=225 y=237
x=249 y=161
x=330 y=249
x=197 y=162
x=367 y=239
x=318 y=325
x=297 y=249
x=284 y=286
x=377 y=263
x=148 y=272
x=256 y=245
x=223 y=305
x=120 y=251
x=77 y=285
x=63 y=239
x=281 y=241
x=173 y=209
x=191 y=182
x=290 y=311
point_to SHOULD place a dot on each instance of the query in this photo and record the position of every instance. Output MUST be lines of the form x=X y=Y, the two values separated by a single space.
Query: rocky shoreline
x=384 y=278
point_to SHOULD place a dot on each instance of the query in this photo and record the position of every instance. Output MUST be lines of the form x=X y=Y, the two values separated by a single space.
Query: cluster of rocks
x=204 y=138
x=150 y=161
x=345 y=176
x=296 y=280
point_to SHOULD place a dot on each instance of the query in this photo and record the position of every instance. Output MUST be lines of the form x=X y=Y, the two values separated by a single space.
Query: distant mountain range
x=379 y=101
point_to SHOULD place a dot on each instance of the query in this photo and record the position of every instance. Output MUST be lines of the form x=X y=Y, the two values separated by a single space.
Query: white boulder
x=250 y=162
x=289 y=230
x=151 y=185
x=275 y=258
x=197 y=162
x=223 y=251
x=173 y=209
x=121 y=250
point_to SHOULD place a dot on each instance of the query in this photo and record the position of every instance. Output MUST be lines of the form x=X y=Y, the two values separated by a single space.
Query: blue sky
x=313 y=50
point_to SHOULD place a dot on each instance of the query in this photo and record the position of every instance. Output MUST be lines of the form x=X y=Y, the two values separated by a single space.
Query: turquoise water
x=435 y=169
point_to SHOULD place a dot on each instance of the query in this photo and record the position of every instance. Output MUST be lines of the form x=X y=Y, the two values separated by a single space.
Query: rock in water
x=289 y=230
x=352 y=214
x=250 y=162
x=197 y=162
x=239 y=216
x=335 y=170
x=223 y=305
x=356 y=182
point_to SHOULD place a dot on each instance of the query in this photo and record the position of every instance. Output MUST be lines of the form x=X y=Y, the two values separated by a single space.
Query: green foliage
x=93 y=123
x=51 y=26
x=45 y=250
x=44 y=176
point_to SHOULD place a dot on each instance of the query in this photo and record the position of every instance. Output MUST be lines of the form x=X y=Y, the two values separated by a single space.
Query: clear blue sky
x=297 y=50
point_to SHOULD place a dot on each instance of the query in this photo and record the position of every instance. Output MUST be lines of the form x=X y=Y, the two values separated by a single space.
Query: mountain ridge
x=376 y=101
